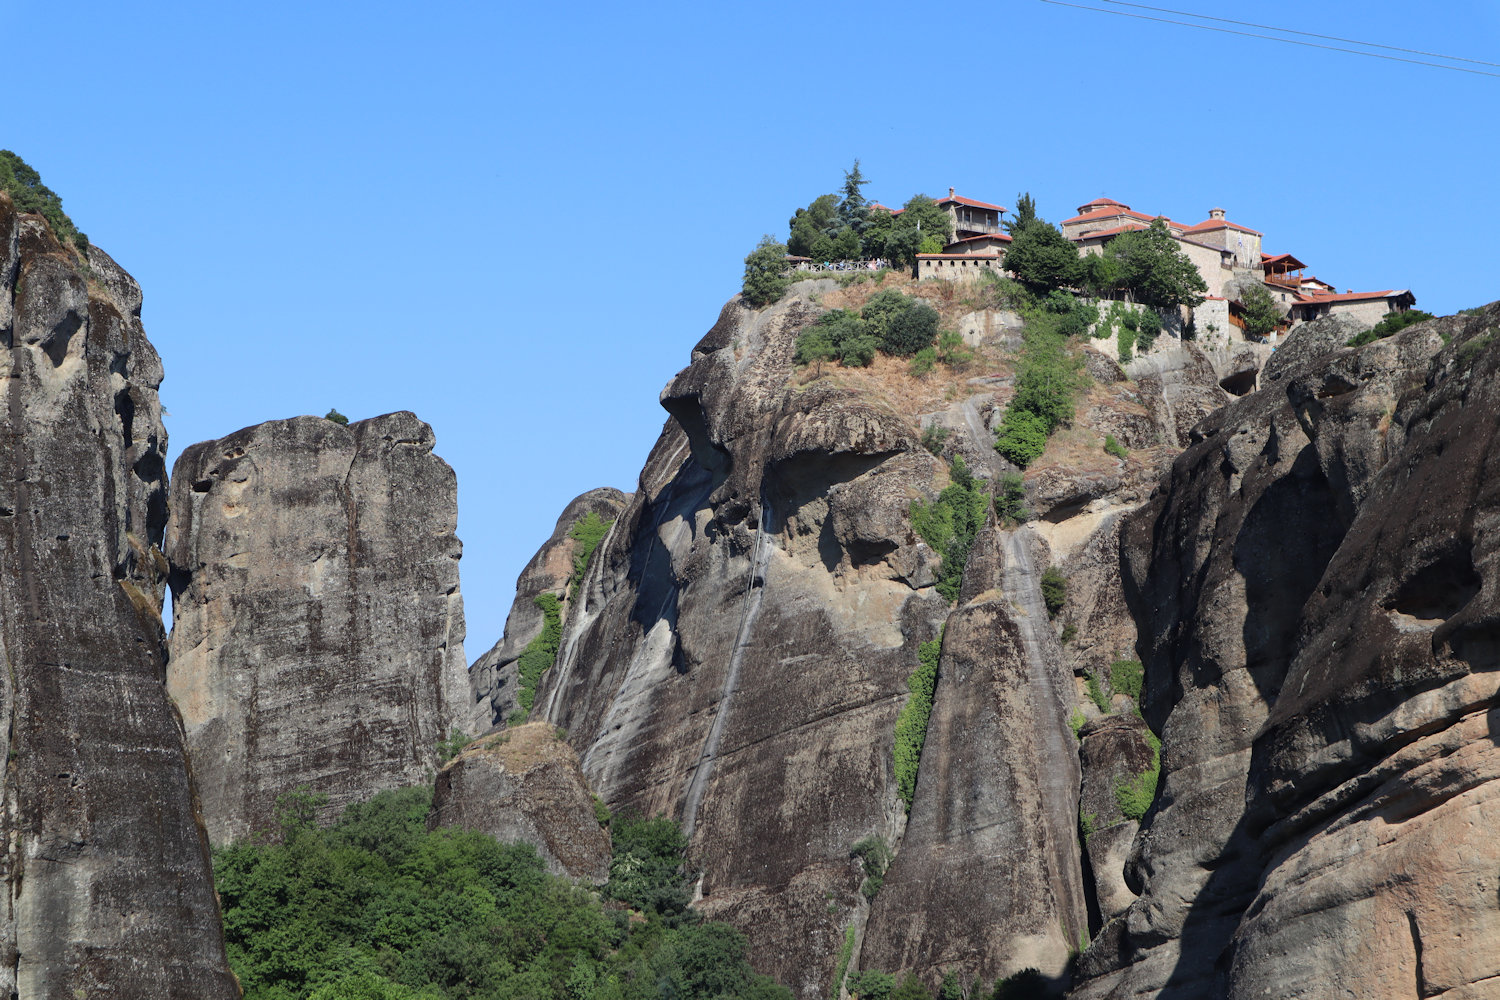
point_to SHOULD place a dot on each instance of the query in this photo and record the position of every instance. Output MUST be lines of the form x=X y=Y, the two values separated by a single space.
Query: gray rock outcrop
x=107 y=885
x=1316 y=586
x=493 y=677
x=524 y=784
x=318 y=628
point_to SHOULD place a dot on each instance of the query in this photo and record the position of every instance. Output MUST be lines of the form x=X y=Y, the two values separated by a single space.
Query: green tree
x=911 y=988
x=588 y=531
x=911 y=722
x=872 y=984
x=1259 y=311
x=764 y=282
x=1022 y=437
x=1391 y=323
x=853 y=208
x=920 y=218
x=821 y=216
x=25 y=187
x=1157 y=273
x=1042 y=258
x=903 y=325
x=1054 y=590
x=1025 y=214
x=337 y=418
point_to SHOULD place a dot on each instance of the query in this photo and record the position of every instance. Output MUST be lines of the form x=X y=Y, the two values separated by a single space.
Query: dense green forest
x=376 y=907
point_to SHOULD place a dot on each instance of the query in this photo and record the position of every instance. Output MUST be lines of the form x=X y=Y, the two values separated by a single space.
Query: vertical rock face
x=1317 y=583
x=991 y=843
x=493 y=677
x=317 y=634
x=108 y=891
x=524 y=784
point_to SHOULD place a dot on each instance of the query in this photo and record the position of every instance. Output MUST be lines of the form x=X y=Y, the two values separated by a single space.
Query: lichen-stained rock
x=740 y=649
x=493 y=677
x=107 y=886
x=1302 y=582
x=523 y=784
x=317 y=631
x=1180 y=386
x=1114 y=750
x=988 y=878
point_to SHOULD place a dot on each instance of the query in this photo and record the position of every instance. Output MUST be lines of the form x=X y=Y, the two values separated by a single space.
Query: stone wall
x=956 y=267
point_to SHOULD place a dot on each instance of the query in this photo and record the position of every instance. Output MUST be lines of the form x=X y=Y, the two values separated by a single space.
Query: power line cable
x=1274 y=38
x=1307 y=34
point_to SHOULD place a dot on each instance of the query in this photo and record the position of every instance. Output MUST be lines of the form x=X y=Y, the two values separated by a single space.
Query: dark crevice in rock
x=125 y=410
x=688 y=412
x=56 y=344
x=1239 y=383
x=1440 y=589
x=1416 y=944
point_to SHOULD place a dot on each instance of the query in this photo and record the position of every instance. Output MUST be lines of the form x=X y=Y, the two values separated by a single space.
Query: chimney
x=950 y=192
x=1348 y=291
x=1216 y=213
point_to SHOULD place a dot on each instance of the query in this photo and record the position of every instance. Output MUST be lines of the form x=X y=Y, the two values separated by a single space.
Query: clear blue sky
x=516 y=220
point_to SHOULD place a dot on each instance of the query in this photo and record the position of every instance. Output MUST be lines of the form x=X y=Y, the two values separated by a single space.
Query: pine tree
x=854 y=210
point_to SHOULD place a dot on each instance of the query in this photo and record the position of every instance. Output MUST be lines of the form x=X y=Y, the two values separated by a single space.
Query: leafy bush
x=911 y=723
x=764 y=282
x=846 y=952
x=840 y=334
x=1076 y=720
x=1259 y=311
x=1126 y=677
x=452 y=746
x=1394 y=322
x=1096 y=693
x=1010 y=501
x=1150 y=329
x=646 y=868
x=952 y=351
x=379 y=908
x=934 y=435
x=1127 y=343
x=1115 y=448
x=872 y=984
x=876 y=858
x=1042 y=258
x=902 y=325
x=1054 y=590
x=588 y=531
x=922 y=362
x=337 y=418
x=1022 y=437
x=1134 y=797
x=1069 y=633
x=25 y=187
x=540 y=653
x=950 y=524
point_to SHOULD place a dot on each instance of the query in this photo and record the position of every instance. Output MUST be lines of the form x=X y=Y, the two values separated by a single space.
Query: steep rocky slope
x=1316 y=584
x=107 y=886
x=740 y=649
x=493 y=677
x=317 y=634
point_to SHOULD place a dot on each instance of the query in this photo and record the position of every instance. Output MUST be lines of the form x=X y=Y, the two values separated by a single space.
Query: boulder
x=524 y=784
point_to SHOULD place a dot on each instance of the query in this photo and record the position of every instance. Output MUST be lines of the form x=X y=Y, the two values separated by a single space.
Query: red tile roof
x=1107 y=213
x=960 y=256
x=1320 y=297
x=1117 y=230
x=1211 y=224
x=958 y=199
x=875 y=205
x=1284 y=259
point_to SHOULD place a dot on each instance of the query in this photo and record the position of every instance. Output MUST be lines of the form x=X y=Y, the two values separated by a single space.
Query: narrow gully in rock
x=755 y=593
x=1058 y=768
x=984 y=441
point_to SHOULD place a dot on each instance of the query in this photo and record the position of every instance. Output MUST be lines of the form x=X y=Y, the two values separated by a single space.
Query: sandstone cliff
x=739 y=651
x=317 y=634
x=107 y=886
x=1315 y=584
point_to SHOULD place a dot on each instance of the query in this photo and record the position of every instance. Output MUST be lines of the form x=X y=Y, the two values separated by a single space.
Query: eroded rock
x=318 y=627
x=524 y=784
x=108 y=890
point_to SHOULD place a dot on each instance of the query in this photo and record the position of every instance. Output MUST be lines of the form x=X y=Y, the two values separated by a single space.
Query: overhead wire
x=1275 y=38
x=1294 y=31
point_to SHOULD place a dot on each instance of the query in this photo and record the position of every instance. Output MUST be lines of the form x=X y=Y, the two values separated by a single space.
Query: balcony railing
x=977 y=226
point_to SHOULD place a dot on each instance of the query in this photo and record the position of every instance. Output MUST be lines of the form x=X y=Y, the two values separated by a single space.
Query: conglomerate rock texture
x=317 y=634
x=524 y=783
x=1316 y=586
x=494 y=678
x=107 y=890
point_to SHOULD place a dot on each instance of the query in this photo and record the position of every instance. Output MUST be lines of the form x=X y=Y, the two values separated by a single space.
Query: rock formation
x=108 y=890
x=1316 y=587
x=524 y=784
x=318 y=629
x=493 y=676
